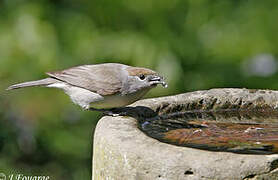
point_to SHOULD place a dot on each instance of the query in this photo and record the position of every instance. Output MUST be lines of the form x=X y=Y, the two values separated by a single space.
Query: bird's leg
x=109 y=112
x=105 y=111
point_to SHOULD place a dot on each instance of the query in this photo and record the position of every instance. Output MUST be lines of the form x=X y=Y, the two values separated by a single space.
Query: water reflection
x=248 y=132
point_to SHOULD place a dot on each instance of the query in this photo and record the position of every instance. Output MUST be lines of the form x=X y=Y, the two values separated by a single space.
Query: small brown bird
x=101 y=86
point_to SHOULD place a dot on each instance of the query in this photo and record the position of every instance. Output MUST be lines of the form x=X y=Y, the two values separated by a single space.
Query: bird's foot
x=110 y=112
x=114 y=113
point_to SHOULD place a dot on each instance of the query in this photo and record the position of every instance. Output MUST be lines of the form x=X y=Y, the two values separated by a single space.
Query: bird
x=100 y=87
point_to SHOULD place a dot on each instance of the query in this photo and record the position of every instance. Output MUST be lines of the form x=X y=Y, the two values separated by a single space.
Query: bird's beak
x=155 y=79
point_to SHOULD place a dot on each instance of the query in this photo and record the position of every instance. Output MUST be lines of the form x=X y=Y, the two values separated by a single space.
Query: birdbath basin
x=214 y=134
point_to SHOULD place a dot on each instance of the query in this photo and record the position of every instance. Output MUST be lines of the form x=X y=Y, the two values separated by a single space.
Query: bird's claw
x=113 y=114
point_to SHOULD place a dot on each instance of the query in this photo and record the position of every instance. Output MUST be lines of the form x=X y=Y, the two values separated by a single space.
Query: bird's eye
x=142 y=76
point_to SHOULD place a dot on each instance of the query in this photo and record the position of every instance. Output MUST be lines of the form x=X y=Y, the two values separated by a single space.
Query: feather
x=104 y=79
x=41 y=82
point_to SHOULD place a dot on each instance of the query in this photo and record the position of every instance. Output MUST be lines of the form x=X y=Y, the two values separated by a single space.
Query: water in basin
x=232 y=131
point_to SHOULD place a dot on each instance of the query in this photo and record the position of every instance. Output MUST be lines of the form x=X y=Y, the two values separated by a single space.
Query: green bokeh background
x=195 y=44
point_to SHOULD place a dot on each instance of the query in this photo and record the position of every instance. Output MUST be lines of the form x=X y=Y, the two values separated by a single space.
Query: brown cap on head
x=136 y=71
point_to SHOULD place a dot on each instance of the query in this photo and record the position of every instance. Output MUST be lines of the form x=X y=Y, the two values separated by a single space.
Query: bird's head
x=141 y=78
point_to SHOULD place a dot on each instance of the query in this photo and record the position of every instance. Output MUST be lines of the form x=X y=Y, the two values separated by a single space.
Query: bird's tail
x=41 y=82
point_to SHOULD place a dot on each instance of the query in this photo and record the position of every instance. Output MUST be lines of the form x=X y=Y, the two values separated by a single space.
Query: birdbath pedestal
x=139 y=146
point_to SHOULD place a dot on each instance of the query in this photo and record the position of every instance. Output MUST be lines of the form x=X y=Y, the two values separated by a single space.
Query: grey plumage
x=99 y=78
x=41 y=82
x=100 y=86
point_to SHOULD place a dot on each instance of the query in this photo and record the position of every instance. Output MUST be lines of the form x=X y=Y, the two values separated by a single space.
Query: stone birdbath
x=214 y=134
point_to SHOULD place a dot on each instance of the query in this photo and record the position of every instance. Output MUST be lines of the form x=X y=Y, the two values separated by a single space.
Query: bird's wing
x=102 y=79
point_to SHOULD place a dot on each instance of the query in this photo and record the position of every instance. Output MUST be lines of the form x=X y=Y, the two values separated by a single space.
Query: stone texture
x=123 y=152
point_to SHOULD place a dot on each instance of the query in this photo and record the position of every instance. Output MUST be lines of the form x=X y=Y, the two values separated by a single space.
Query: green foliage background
x=196 y=44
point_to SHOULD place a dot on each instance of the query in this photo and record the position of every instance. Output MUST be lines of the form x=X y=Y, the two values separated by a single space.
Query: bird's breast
x=118 y=100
